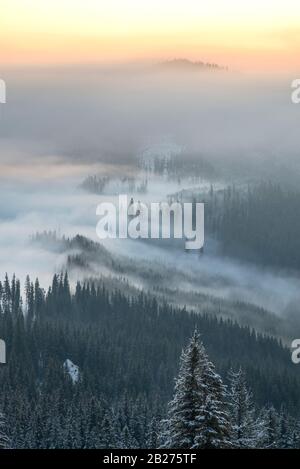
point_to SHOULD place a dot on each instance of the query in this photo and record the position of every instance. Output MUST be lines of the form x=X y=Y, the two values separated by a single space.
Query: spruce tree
x=182 y=424
x=215 y=429
x=270 y=419
x=197 y=415
x=153 y=432
x=246 y=428
x=286 y=427
x=4 y=440
x=127 y=440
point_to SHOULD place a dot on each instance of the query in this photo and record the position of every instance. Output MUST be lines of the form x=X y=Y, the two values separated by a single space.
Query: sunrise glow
x=261 y=35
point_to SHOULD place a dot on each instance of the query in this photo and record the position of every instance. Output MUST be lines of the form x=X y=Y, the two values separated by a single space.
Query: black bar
x=136 y=458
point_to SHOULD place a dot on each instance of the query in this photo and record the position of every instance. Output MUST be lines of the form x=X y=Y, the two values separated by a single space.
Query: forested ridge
x=259 y=223
x=166 y=283
x=127 y=350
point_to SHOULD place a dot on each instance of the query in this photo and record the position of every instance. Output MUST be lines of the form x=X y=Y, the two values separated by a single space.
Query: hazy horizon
x=260 y=36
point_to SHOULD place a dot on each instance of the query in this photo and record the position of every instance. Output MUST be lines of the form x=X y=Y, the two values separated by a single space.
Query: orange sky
x=252 y=35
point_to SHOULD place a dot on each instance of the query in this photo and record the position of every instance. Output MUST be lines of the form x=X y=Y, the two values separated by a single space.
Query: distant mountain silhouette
x=185 y=64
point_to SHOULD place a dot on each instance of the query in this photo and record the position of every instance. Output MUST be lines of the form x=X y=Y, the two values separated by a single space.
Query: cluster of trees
x=206 y=414
x=95 y=184
x=99 y=184
x=127 y=351
x=177 y=167
x=261 y=223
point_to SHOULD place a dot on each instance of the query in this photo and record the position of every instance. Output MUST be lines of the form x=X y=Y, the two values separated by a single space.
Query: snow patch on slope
x=72 y=370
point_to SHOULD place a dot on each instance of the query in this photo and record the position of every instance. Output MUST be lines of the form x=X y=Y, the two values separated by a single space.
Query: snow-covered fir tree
x=270 y=418
x=247 y=429
x=183 y=424
x=197 y=416
x=4 y=440
x=127 y=440
x=287 y=434
x=109 y=431
x=215 y=429
x=153 y=433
